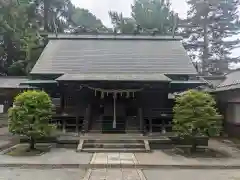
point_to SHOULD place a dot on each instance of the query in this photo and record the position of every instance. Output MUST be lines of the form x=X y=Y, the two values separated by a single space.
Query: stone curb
x=114 y=166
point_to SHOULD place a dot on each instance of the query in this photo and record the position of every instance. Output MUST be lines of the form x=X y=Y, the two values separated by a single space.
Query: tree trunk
x=32 y=144
x=194 y=145
x=46 y=9
x=206 y=46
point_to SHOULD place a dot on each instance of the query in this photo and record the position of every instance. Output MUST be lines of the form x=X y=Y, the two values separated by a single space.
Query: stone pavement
x=4 y=131
x=4 y=143
x=158 y=174
x=161 y=158
x=55 y=156
x=60 y=156
x=114 y=174
x=114 y=158
x=41 y=174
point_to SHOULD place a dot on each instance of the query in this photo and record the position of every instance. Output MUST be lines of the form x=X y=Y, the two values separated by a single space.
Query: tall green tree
x=149 y=15
x=52 y=15
x=154 y=14
x=83 y=17
x=19 y=38
x=209 y=26
x=122 y=24
x=21 y=23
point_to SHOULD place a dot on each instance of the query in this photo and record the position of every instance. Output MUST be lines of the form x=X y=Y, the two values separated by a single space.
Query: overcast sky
x=100 y=8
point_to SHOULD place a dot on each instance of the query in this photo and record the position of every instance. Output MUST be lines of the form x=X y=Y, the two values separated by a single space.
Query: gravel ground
x=30 y=174
x=192 y=174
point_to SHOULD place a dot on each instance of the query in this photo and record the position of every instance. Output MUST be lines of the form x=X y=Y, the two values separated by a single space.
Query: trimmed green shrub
x=195 y=115
x=30 y=116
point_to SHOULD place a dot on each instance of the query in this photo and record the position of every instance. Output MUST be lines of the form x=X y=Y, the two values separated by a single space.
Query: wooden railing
x=158 y=120
x=158 y=112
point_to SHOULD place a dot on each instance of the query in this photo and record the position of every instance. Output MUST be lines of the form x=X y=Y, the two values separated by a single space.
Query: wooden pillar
x=114 y=111
x=140 y=115
x=87 y=118
x=63 y=126
x=150 y=125
x=77 y=124
x=62 y=103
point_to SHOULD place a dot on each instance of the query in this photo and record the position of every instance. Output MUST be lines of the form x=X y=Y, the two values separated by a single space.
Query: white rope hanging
x=115 y=91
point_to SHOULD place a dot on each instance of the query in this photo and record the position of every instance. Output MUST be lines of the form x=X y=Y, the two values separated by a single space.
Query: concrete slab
x=192 y=174
x=100 y=158
x=130 y=174
x=98 y=174
x=113 y=158
x=115 y=174
x=55 y=156
x=40 y=174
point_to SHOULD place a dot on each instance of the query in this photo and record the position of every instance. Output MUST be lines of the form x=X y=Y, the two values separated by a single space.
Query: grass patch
x=23 y=150
x=200 y=153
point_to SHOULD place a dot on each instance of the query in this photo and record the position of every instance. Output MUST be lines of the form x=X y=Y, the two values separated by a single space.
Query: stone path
x=114 y=174
x=114 y=158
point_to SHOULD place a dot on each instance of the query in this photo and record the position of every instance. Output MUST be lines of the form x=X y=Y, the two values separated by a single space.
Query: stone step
x=114 y=145
x=114 y=150
x=115 y=141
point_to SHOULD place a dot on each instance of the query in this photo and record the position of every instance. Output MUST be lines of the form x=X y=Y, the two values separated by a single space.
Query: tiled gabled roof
x=10 y=82
x=114 y=54
x=231 y=82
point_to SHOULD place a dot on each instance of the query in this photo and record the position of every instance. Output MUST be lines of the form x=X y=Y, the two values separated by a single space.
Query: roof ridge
x=112 y=37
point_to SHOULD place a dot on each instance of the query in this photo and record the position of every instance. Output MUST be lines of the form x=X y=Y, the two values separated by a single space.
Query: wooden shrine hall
x=114 y=83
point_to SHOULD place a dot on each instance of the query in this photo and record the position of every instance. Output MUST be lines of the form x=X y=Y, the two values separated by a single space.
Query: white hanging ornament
x=128 y=94
x=102 y=95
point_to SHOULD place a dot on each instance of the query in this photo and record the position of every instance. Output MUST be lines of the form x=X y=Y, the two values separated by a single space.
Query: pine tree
x=149 y=15
x=209 y=25
x=122 y=24
x=154 y=14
